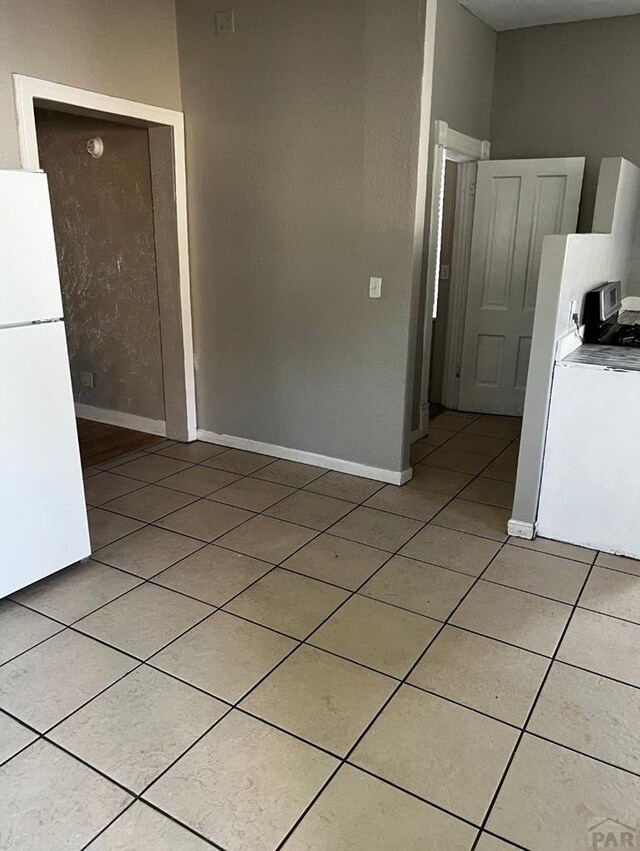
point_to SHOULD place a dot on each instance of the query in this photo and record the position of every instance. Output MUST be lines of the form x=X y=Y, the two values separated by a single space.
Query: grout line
x=388 y=700
x=532 y=708
x=304 y=641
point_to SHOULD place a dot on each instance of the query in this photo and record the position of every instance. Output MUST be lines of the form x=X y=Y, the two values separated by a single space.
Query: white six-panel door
x=518 y=202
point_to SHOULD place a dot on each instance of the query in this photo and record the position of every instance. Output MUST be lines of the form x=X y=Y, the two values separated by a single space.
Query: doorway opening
x=452 y=199
x=489 y=221
x=117 y=184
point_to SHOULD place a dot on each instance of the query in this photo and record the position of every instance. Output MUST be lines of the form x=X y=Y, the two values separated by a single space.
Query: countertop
x=618 y=358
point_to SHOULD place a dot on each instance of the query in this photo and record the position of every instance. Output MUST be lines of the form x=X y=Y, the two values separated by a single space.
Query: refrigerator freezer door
x=29 y=283
x=43 y=520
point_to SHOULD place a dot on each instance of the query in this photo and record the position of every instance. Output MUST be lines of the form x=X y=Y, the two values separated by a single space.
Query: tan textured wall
x=117 y=47
x=302 y=150
x=569 y=90
x=103 y=222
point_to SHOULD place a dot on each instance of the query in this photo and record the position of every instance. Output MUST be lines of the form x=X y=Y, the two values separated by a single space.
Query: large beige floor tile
x=490 y=492
x=138 y=727
x=516 y=617
x=556 y=548
x=106 y=527
x=148 y=551
x=415 y=502
x=213 y=575
x=539 y=573
x=452 y=549
x=336 y=560
x=13 y=737
x=591 y=714
x=420 y=587
x=455 y=459
x=450 y=755
x=492 y=843
x=505 y=429
x=453 y=421
x=376 y=528
x=603 y=645
x=200 y=480
x=438 y=480
x=361 y=813
x=252 y=494
x=344 y=486
x=48 y=800
x=481 y=673
x=437 y=436
x=224 y=655
x=474 y=517
x=467 y=442
x=626 y=565
x=141 y=828
x=290 y=473
x=150 y=503
x=205 y=519
x=53 y=679
x=144 y=620
x=239 y=461
x=21 y=629
x=551 y=798
x=267 y=538
x=195 y=452
x=612 y=593
x=288 y=602
x=244 y=784
x=151 y=468
x=323 y=699
x=310 y=509
x=504 y=468
x=103 y=487
x=77 y=590
x=120 y=460
x=419 y=452
x=375 y=634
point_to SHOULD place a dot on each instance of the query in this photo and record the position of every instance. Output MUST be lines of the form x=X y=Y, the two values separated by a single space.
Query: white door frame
x=28 y=90
x=460 y=148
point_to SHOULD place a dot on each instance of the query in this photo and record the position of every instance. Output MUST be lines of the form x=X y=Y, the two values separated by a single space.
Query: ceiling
x=514 y=14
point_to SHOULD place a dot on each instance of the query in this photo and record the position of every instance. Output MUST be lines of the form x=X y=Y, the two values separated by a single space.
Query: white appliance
x=43 y=519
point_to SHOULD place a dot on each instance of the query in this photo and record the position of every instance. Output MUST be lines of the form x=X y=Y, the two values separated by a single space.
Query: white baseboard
x=378 y=473
x=118 y=418
x=520 y=529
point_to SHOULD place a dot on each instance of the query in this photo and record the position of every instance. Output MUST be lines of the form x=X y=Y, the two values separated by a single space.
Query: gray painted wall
x=569 y=90
x=302 y=151
x=103 y=222
x=462 y=89
x=121 y=48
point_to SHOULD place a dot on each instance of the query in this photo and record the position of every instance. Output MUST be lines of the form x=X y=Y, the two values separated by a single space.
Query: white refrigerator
x=43 y=519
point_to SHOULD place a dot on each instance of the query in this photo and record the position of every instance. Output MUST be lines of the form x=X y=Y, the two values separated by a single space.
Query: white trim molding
x=521 y=529
x=120 y=418
x=28 y=90
x=379 y=474
x=458 y=281
x=466 y=147
x=457 y=147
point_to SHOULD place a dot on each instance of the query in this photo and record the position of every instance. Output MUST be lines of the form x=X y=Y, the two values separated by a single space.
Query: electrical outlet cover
x=225 y=22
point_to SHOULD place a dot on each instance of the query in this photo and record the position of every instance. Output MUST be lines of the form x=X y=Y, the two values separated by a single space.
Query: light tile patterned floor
x=264 y=655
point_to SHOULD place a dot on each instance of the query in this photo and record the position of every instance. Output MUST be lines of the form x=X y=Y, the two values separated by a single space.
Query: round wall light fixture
x=95 y=147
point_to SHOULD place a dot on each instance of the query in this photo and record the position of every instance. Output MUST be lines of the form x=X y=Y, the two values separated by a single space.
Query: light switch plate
x=225 y=22
x=375 y=287
x=87 y=379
